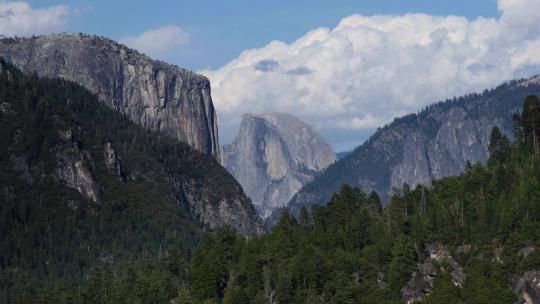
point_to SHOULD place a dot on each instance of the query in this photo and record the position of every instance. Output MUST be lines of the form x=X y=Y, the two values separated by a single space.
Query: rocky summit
x=273 y=156
x=156 y=95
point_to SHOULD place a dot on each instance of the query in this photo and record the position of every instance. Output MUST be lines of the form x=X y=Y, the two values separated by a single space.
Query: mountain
x=156 y=95
x=80 y=183
x=417 y=148
x=273 y=156
x=467 y=239
x=74 y=133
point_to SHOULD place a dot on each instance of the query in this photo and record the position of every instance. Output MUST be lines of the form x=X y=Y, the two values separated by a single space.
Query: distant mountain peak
x=273 y=155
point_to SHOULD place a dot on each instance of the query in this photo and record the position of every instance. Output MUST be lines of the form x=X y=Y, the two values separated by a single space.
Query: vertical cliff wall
x=153 y=94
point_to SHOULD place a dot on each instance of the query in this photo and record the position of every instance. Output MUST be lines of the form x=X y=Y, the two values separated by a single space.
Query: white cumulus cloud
x=369 y=69
x=19 y=18
x=158 y=42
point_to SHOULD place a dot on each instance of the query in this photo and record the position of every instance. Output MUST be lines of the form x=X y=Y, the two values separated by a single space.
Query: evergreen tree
x=529 y=124
x=499 y=145
x=375 y=202
x=404 y=260
x=304 y=218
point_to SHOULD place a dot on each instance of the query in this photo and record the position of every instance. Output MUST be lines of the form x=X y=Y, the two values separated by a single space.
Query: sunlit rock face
x=153 y=94
x=273 y=156
x=73 y=170
x=417 y=148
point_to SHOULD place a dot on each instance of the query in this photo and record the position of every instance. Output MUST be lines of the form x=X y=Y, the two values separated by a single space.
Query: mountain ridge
x=417 y=148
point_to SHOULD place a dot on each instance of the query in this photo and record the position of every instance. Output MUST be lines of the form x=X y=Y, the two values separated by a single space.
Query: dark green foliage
x=403 y=262
x=445 y=293
x=210 y=264
x=529 y=128
x=236 y=295
x=375 y=203
x=348 y=251
x=49 y=232
x=499 y=146
x=345 y=251
x=304 y=218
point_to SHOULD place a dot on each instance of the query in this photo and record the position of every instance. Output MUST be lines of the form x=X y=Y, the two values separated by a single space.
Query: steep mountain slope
x=273 y=156
x=153 y=94
x=80 y=183
x=436 y=142
x=468 y=239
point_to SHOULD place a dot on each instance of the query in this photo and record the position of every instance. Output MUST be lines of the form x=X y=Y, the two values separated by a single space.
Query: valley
x=270 y=153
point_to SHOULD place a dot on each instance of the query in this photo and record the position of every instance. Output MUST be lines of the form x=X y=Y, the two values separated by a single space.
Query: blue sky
x=221 y=30
x=345 y=67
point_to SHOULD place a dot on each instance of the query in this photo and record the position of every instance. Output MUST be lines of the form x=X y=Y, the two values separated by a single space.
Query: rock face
x=273 y=156
x=235 y=211
x=438 y=260
x=439 y=254
x=74 y=172
x=418 y=288
x=417 y=148
x=74 y=166
x=153 y=94
x=113 y=161
x=528 y=288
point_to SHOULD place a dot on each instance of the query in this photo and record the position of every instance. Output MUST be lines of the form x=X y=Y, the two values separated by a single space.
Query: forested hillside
x=81 y=185
x=466 y=239
x=434 y=143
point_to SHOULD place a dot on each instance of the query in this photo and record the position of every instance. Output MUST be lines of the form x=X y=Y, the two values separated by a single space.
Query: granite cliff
x=58 y=134
x=417 y=148
x=153 y=94
x=273 y=156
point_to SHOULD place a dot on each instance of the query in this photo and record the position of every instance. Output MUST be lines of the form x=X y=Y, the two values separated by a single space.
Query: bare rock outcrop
x=528 y=288
x=423 y=281
x=113 y=162
x=235 y=210
x=73 y=170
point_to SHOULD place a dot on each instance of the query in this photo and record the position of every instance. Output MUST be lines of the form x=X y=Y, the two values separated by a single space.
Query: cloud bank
x=158 y=42
x=369 y=69
x=19 y=18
